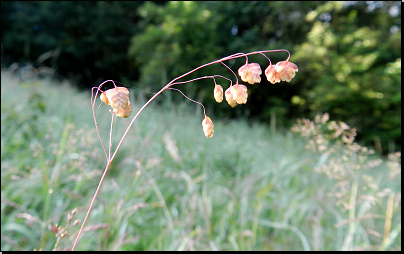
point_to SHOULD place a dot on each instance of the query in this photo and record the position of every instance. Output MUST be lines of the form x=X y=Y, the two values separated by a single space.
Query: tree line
x=348 y=53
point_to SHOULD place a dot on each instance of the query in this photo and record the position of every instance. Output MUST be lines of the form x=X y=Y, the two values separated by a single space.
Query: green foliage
x=170 y=188
x=353 y=69
x=177 y=37
x=92 y=37
x=349 y=54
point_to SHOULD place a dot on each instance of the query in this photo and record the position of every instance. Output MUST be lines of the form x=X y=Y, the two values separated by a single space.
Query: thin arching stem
x=92 y=203
x=246 y=59
x=231 y=71
x=110 y=136
x=213 y=77
x=266 y=58
x=189 y=98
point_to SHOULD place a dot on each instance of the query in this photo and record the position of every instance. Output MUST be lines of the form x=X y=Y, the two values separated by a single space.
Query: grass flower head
x=118 y=99
x=229 y=97
x=272 y=75
x=207 y=126
x=286 y=70
x=250 y=73
x=239 y=93
x=218 y=93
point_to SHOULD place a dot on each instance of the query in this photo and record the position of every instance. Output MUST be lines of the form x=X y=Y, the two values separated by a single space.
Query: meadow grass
x=171 y=188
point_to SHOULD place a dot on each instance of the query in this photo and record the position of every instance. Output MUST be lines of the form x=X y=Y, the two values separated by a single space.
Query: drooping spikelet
x=207 y=126
x=118 y=98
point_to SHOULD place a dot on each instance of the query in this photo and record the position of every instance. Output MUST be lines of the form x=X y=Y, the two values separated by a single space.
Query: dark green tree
x=92 y=36
x=351 y=66
x=349 y=57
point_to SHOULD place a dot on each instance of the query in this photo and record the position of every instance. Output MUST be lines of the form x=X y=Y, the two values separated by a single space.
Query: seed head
x=239 y=93
x=207 y=126
x=272 y=75
x=103 y=98
x=229 y=97
x=218 y=93
x=118 y=98
x=125 y=112
x=250 y=73
x=286 y=70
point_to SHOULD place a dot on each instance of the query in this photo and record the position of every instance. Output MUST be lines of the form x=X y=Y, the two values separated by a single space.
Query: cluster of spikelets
x=118 y=97
x=250 y=73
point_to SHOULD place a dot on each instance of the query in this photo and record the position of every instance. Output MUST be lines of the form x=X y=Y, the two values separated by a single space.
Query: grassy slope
x=243 y=189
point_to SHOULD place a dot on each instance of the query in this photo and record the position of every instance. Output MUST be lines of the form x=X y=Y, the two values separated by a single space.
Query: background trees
x=348 y=53
x=354 y=54
x=92 y=37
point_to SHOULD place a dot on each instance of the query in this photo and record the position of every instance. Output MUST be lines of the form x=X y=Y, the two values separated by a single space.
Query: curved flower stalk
x=118 y=99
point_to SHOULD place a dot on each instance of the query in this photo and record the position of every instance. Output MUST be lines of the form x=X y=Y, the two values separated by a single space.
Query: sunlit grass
x=171 y=188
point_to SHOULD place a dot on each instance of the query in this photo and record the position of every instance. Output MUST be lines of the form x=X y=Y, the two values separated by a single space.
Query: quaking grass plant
x=118 y=99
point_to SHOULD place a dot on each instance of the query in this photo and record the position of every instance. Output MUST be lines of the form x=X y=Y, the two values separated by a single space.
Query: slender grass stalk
x=389 y=213
x=391 y=237
x=348 y=241
x=255 y=225
x=92 y=203
x=187 y=239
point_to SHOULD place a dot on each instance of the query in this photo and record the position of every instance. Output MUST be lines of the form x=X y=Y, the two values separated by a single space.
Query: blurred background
x=266 y=180
x=348 y=53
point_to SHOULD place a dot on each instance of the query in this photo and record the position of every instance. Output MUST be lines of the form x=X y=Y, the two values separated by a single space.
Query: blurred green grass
x=171 y=188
